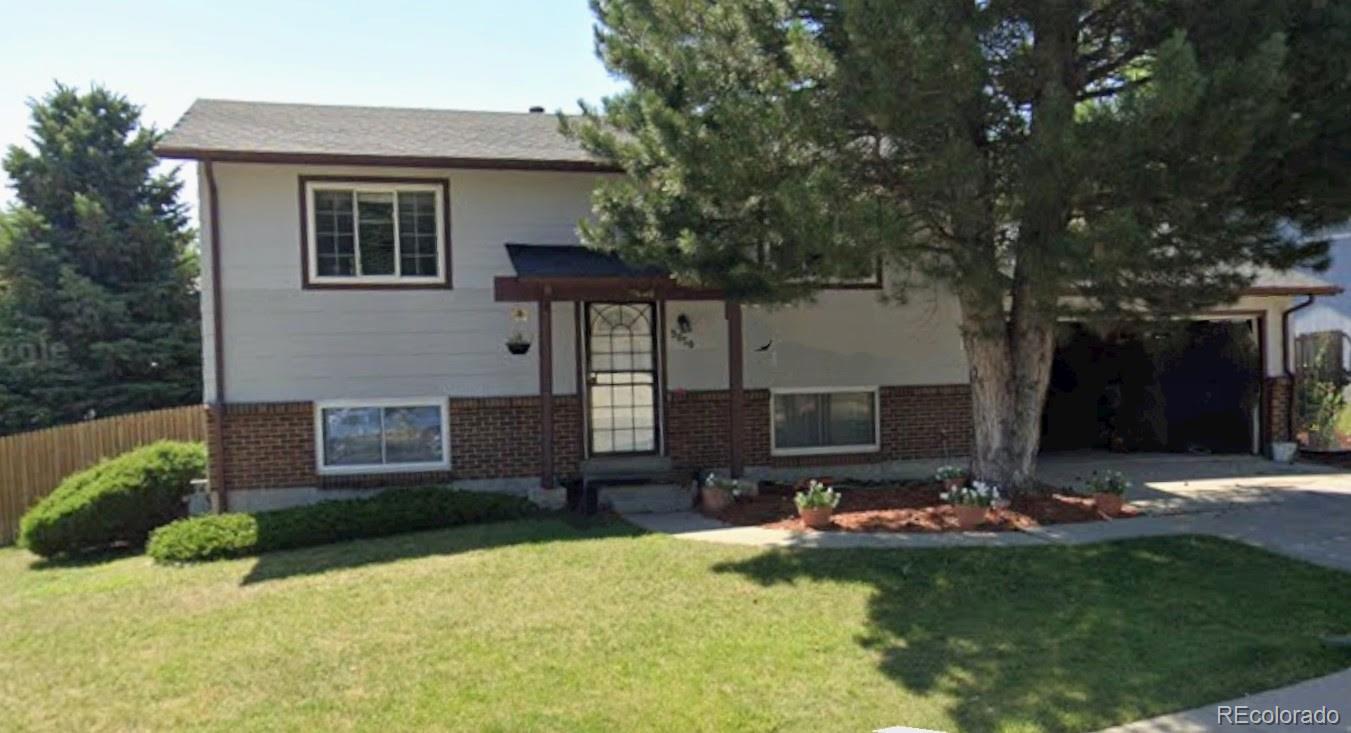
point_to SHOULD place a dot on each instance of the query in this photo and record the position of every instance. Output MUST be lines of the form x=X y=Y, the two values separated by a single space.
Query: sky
x=454 y=54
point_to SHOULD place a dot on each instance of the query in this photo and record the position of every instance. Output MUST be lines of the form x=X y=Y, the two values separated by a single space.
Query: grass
x=542 y=625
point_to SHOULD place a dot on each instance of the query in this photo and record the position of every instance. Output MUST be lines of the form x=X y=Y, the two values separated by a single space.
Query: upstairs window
x=381 y=233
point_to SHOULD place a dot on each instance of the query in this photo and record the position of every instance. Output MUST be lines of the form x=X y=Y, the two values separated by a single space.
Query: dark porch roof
x=574 y=272
x=570 y=260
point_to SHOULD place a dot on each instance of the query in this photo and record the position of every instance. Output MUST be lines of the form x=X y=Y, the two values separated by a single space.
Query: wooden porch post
x=735 y=388
x=546 y=392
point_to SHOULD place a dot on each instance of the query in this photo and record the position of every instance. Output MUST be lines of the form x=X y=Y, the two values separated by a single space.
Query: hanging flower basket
x=518 y=347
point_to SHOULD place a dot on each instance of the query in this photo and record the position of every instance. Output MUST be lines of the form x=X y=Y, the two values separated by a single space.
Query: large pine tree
x=1039 y=158
x=98 y=276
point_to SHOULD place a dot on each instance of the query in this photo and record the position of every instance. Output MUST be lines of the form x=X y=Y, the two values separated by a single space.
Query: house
x=1332 y=315
x=369 y=273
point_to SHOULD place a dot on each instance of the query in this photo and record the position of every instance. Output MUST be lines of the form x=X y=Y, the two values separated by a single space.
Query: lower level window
x=833 y=421
x=398 y=435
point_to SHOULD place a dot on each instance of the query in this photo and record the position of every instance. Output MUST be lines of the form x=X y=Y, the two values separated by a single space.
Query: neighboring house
x=365 y=269
x=1331 y=315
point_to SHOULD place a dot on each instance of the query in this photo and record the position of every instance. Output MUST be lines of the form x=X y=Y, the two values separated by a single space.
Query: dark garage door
x=1183 y=386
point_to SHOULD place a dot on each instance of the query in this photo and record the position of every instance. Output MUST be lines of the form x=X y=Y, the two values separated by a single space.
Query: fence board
x=32 y=464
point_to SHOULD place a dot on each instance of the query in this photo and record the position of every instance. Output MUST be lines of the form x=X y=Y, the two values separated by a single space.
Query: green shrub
x=391 y=512
x=118 y=501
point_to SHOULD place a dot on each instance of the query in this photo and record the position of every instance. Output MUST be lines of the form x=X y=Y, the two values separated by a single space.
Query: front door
x=621 y=378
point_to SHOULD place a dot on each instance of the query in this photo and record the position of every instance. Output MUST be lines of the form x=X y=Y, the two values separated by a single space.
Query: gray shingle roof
x=561 y=260
x=233 y=130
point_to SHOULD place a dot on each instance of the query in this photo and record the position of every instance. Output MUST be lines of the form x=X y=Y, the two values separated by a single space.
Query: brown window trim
x=876 y=283
x=446 y=281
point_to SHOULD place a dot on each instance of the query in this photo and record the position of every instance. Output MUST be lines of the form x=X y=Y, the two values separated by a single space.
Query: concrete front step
x=614 y=469
x=648 y=498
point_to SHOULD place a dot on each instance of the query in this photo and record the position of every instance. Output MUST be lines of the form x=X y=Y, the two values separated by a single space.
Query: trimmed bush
x=397 y=510
x=116 y=502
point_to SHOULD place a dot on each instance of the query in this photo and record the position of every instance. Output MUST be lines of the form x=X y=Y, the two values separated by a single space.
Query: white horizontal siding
x=846 y=337
x=286 y=343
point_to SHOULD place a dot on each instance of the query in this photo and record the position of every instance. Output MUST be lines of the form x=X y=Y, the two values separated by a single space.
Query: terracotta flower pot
x=714 y=498
x=969 y=516
x=816 y=517
x=950 y=484
x=1109 y=504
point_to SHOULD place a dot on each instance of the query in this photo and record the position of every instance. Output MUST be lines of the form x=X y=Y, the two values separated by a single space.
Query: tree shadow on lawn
x=84 y=559
x=1078 y=638
x=351 y=554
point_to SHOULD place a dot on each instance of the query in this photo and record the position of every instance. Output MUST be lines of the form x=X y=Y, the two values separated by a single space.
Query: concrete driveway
x=1302 y=510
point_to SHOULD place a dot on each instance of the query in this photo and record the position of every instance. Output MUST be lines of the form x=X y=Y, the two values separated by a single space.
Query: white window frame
x=826 y=450
x=360 y=187
x=439 y=402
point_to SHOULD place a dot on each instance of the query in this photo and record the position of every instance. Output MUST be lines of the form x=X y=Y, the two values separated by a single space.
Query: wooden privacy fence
x=32 y=464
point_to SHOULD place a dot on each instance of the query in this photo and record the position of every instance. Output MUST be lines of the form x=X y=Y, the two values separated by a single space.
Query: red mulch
x=913 y=507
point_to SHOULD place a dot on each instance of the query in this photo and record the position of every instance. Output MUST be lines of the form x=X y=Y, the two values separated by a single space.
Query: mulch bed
x=909 y=507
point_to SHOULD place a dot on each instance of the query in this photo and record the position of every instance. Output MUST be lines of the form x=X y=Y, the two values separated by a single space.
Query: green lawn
x=539 y=625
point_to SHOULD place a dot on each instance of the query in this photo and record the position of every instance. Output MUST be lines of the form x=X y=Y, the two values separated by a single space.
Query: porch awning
x=573 y=272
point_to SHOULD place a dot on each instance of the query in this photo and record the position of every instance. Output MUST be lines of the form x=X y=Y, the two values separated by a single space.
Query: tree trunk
x=1010 y=367
x=1010 y=342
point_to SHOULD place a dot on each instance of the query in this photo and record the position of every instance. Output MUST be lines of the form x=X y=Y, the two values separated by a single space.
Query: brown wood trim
x=735 y=388
x=1311 y=290
x=608 y=289
x=1263 y=406
x=583 y=394
x=1233 y=312
x=546 y=394
x=658 y=426
x=878 y=283
x=390 y=161
x=217 y=336
x=447 y=279
x=662 y=377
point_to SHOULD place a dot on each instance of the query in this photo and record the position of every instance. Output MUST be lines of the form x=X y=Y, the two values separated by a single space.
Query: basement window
x=375 y=233
x=382 y=436
x=824 y=420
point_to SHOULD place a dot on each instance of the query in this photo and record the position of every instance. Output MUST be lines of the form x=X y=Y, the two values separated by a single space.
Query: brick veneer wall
x=921 y=421
x=1277 y=409
x=499 y=437
x=697 y=428
x=271 y=444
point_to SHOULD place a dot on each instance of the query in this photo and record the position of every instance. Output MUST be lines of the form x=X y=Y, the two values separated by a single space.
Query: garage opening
x=1184 y=386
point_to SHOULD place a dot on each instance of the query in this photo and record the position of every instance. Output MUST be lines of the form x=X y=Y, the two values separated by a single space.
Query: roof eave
x=173 y=152
x=1294 y=290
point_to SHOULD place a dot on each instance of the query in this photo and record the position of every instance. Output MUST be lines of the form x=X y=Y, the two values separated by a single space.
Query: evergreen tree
x=98 y=277
x=1039 y=158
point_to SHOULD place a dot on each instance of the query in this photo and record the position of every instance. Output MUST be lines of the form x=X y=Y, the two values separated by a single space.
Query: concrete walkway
x=1332 y=692
x=1298 y=510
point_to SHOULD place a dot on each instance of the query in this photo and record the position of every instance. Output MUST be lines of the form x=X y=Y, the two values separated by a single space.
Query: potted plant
x=816 y=503
x=1109 y=491
x=718 y=493
x=951 y=477
x=518 y=344
x=970 y=503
